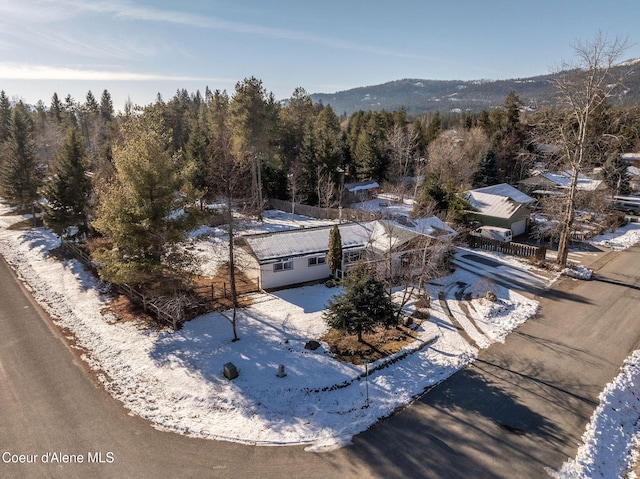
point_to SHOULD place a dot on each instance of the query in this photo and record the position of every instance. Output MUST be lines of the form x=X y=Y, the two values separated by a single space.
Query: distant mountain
x=420 y=96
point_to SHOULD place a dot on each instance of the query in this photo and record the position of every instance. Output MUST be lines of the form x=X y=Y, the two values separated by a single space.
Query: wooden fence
x=80 y=255
x=148 y=304
x=514 y=249
x=223 y=290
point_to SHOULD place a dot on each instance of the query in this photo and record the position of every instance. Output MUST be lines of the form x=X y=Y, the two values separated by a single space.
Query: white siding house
x=297 y=256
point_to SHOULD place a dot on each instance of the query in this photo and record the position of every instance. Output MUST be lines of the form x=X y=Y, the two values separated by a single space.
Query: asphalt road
x=521 y=407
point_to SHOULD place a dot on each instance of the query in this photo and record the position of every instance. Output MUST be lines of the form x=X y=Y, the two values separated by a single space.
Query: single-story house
x=286 y=258
x=360 y=191
x=501 y=205
x=544 y=183
x=537 y=185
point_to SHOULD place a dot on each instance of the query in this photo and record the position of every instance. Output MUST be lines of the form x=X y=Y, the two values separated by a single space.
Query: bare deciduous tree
x=584 y=87
x=326 y=190
x=453 y=155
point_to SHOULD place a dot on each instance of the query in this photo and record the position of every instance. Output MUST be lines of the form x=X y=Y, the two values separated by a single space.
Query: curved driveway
x=521 y=407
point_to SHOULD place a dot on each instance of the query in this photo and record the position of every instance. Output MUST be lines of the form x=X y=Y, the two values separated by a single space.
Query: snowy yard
x=175 y=380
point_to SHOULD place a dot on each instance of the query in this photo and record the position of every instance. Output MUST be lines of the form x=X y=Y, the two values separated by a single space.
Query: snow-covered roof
x=633 y=171
x=504 y=189
x=430 y=226
x=492 y=205
x=361 y=186
x=562 y=179
x=388 y=236
x=381 y=235
x=301 y=242
x=630 y=157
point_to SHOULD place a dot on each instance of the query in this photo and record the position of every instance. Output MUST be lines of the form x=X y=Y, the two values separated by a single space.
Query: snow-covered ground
x=175 y=379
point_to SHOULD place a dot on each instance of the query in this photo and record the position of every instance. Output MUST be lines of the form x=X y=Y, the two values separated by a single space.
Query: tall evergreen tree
x=69 y=191
x=91 y=104
x=137 y=210
x=5 y=116
x=371 y=154
x=487 y=172
x=294 y=119
x=252 y=121
x=197 y=169
x=106 y=106
x=21 y=175
x=334 y=257
x=55 y=110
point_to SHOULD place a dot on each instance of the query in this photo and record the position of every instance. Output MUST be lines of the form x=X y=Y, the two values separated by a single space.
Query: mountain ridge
x=419 y=96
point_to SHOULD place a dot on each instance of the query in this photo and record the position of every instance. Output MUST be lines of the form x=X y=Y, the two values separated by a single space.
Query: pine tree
x=106 y=106
x=91 y=105
x=294 y=119
x=253 y=121
x=362 y=306
x=371 y=155
x=55 y=110
x=328 y=140
x=21 y=175
x=138 y=210
x=69 y=191
x=334 y=256
x=487 y=172
x=197 y=170
x=434 y=128
x=5 y=116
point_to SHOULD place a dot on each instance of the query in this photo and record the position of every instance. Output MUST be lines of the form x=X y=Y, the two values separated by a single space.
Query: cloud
x=23 y=71
x=130 y=11
x=49 y=12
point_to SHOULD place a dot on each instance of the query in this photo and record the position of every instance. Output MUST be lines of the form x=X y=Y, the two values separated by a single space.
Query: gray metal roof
x=493 y=205
x=302 y=242
x=505 y=189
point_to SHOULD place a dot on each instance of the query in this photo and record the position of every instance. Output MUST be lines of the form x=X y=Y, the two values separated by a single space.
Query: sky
x=138 y=48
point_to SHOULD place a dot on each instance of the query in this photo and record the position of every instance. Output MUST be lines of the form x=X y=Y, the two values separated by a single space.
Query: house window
x=317 y=260
x=283 y=266
x=353 y=256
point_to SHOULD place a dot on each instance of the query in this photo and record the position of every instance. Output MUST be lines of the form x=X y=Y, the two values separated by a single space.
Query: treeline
x=130 y=171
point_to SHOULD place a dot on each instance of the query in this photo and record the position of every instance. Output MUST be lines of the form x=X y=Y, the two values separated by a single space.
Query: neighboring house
x=360 y=191
x=562 y=180
x=537 y=186
x=501 y=205
x=548 y=183
x=292 y=257
x=631 y=159
x=634 y=178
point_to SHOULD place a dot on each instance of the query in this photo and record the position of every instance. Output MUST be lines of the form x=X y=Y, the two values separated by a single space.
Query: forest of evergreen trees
x=122 y=174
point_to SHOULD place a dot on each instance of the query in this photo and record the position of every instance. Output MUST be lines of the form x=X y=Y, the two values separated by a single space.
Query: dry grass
x=220 y=279
x=382 y=343
x=126 y=311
